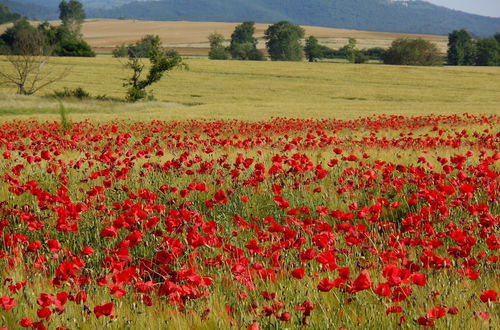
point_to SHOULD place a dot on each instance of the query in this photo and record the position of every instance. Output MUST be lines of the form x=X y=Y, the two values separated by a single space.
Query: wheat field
x=261 y=90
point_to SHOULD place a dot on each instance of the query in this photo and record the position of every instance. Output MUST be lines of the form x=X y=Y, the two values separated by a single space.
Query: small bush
x=78 y=93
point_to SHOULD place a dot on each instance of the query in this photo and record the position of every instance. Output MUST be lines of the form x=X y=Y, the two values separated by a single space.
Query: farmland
x=252 y=195
x=261 y=90
x=191 y=38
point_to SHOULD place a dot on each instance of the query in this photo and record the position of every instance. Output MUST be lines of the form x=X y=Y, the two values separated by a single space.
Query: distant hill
x=373 y=15
x=32 y=10
x=6 y=15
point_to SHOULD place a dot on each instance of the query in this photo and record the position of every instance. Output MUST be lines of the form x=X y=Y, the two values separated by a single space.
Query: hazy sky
x=481 y=7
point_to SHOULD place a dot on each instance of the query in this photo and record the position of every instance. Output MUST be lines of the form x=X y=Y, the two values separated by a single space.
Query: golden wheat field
x=191 y=37
x=261 y=90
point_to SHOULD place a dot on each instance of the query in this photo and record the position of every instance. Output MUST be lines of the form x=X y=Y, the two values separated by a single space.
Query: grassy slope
x=254 y=91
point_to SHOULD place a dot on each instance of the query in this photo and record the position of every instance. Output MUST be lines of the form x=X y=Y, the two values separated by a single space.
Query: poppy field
x=378 y=222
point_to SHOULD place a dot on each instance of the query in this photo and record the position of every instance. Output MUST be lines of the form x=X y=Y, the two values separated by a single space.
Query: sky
x=480 y=7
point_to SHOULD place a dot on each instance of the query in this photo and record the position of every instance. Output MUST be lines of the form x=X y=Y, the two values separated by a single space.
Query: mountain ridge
x=373 y=15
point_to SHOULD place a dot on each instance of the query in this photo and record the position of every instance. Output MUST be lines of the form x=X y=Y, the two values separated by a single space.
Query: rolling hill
x=372 y=15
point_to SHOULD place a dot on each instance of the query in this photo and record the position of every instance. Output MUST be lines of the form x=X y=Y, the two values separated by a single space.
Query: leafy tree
x=351 y=53
x=350 y=50
x=488 y=52
x=312 y=49
x=57 y=41
x=145 y=46
x=360 y=57
x=13 y=33
x=243 y=44
x=71 y=14
x=141 y=48
x=159 y=65
x=461 y=49
x=217 y=49
x=6 y=15
x=406 y=51
x=283 y=41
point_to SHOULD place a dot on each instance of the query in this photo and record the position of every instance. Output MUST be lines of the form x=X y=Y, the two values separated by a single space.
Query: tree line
x=284 y=43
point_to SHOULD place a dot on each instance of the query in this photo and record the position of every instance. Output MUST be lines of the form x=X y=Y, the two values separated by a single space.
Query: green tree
x=350 y=50
x=488 y=52
x=13 y=33
x=217 y=49
x=145 y=46
x=312 y=49
x=71 y=14
x=243 y=45
x=283 y=41
x=406 y=51
x=159 y=64
x=461 y=48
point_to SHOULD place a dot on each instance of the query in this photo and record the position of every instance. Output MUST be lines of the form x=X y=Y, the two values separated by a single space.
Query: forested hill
x=375 y=15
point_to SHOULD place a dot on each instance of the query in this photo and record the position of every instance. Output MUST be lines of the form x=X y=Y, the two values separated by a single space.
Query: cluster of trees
x=62 y=40
x=243 y=45
x=284 y=43
x=464 y=50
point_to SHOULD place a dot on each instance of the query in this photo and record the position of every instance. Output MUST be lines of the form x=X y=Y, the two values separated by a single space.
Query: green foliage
x=71 y=14
x=360 y=57
x=461 y=48
x=488 y=52
x=120 y=51
x=63 y=114
x=243 y=45
x=6 y=15
x=68 y=44
x=14 y=33
x=141 y=49
x=375 y=53
x=350 y=50
x=78 y=93
x=159 y=64
x=217 y=49
x=313 y=49
x=331 y=53
x=58 y=41
x=283 y=41
x=406 y=51
x=144 y=47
